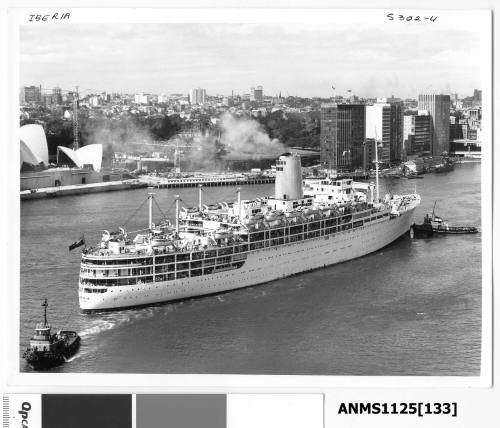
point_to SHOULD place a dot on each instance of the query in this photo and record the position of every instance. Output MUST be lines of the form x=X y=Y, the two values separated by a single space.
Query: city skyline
x=85 y=92
x=291 y=59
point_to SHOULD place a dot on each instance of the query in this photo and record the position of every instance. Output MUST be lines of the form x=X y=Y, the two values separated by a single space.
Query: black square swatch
x=86 y=411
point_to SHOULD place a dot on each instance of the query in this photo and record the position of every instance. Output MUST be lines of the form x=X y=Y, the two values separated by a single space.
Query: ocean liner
x=215 y=248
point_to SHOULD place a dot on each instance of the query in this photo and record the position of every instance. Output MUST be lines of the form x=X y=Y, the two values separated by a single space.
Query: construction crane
x=76 y=96
x=75 y=120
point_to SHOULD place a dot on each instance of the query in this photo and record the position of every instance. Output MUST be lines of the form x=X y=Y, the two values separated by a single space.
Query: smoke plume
x=244 y=138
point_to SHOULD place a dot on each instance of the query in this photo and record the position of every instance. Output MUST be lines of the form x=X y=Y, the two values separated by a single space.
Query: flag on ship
x=78 y=243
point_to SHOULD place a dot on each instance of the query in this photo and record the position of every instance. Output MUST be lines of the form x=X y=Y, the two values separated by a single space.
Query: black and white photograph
x=294 y=194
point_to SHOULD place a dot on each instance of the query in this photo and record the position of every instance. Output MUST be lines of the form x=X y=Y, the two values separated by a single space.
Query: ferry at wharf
x=217 y=248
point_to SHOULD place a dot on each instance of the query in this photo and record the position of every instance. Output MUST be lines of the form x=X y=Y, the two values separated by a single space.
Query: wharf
x=79 y=189
x=204 y=180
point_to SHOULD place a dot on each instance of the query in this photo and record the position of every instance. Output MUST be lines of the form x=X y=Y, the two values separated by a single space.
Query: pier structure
x=205 y=180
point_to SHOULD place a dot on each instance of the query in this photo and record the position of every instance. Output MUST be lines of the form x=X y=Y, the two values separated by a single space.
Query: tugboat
x=435 y=224
x=446 y=166
x=47 y=350
x=421 y=230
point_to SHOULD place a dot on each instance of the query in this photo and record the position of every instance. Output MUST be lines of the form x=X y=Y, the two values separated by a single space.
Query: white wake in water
x=73 y=358
x=98 y=326
x=109 y=321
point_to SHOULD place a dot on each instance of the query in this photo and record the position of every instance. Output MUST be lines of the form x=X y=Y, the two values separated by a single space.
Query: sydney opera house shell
x=82 y=166
x=34 y=149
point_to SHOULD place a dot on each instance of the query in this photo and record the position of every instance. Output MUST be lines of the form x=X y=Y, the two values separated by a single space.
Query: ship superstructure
x=46 y=349
x=215 y=248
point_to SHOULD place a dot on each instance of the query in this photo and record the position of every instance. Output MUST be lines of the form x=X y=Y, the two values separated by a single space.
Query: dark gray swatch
x=86 y=411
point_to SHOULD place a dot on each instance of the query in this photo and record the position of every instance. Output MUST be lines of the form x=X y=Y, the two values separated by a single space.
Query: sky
x=294 y=59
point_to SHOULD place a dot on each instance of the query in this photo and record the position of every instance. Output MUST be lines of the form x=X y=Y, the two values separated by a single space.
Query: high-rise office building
x=478 y=94
x=417 y=133
x=438 y=107
x=397 y=124
x=384 y=121
x=30 y=94
x=257 y=94
x=342 y=136
x=378 y=127
x=56 y=95
x=197 y=96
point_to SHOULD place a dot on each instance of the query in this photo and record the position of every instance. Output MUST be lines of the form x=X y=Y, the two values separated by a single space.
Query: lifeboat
x=254 y=219
x=223 y=234
x=275 y=223
x=160 y=242
x=311 y=214
x=273 y=215
x=274 y=218
x=213 y=207
x=327 y=210
x=294 y=216
x=139 y=239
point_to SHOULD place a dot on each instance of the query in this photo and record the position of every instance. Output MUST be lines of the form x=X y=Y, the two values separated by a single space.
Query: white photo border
x=140 y=383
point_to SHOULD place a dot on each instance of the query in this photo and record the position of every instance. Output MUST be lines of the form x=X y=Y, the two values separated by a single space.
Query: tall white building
x=197 y=96
x=378 y=126
x=141 y=98
x=384 y=121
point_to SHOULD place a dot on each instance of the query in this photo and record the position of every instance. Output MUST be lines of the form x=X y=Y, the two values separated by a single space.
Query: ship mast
x=177 y=210
x=75 y=120
x=376 y=171
x=45 y=304
x=150 y=197
x=238 y=190
x=376 y=167
x=200 y=187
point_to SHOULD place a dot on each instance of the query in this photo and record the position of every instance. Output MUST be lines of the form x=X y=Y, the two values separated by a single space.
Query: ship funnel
x=288 y=183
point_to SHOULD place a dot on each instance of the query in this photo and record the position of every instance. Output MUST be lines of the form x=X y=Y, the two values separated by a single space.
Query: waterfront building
x=438 y=106
x=30 y=94
x=197 y=96
x=466 y=148
x=397 y=124
x=458 y=131
x=384 y=121
x=342 y=136
x=378 y=127
x=417 y=133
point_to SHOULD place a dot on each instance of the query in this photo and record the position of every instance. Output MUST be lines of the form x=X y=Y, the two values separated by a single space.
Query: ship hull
x=261 y=266
x=44 y=360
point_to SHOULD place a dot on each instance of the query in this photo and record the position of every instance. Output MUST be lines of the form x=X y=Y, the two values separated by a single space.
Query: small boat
x=421 y=230
x=441 y=226
x=447 y=166
x=438 y=225
x=48 y=350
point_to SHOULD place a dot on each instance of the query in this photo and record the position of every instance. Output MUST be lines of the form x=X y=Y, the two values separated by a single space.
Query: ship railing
x=42 y=326
x=190 y=266
x=308 y=230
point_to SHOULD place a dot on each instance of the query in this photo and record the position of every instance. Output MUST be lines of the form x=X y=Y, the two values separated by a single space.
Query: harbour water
x=413 y=308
